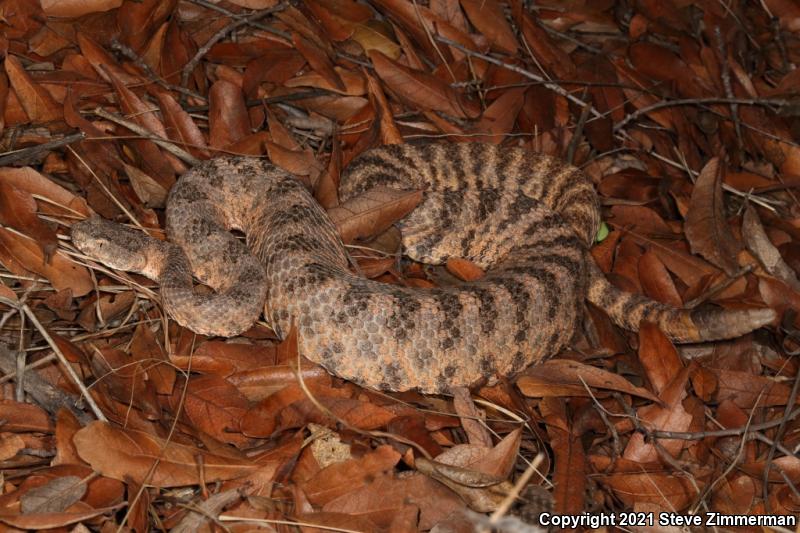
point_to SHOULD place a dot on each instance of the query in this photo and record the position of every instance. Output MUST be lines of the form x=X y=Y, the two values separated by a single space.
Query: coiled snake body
x=525 y=217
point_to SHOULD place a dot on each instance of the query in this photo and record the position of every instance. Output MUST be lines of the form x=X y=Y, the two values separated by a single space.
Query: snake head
x=112 y=244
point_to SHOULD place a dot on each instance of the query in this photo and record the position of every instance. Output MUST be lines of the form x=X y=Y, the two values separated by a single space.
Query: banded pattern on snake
x=527 y=218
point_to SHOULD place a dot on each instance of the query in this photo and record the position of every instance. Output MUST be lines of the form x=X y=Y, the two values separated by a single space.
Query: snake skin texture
x=527 y=218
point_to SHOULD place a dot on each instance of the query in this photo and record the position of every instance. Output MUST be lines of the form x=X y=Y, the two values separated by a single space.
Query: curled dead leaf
x=372 y=212
x=117 y=453
x=756 y=240
x=482 y=492
x=706 y=225
x=562 y=377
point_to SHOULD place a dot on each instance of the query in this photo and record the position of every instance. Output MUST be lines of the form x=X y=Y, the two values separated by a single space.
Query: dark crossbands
x=527 y=218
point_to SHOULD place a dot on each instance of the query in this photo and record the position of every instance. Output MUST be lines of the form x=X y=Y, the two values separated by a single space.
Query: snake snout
x=112 y=244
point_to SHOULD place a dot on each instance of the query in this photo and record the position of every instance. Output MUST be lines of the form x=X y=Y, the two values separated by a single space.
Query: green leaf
x=602 y=232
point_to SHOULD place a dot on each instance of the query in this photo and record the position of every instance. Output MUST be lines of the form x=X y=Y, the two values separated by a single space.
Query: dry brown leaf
x=77 y=8
x=385 y=492
x=353 y=82
x=356 y=413
x=372 y=267
x=640 y=219
x=472 y=419
x=629 y=184
x=450 y=10
x=261 y=420
x=275 y=66
x=318 y=60
x=658 y=356
x=260 y=383
x=626 y=267
x=756 y=240
x=499 y=118
x=39 y=105
x=706 y=225
x=117 y=453
x=223 y=358
x=55 y=496
x=547 y=52
x=31 y=181
x=149 y=191
x=787 y=11
x=735 y=495
x=227 y=114
x=18 y=210
x=747 y=390
x=481 y=492
x=298 y=162
x=6 y=292
x=280 y=134
x=102 y=492
x=562 y=377
x=102 y=61
x=66 y=427
x=778 y=295
x=660 y=63
x=495 y=461
x=339 y=17
x=388 y=129
x=373 y=36
x=10 y=445
x=413 y=427
x=255 y=4
x=689 y=269
x=488 y=17
x=62 y=272
x=787 y=465
x=420 y=89
x=464 y=269
x=337 y=522
x=109 y=306
x=124 y=380
x=659 y=487
x=252 y=145
x=180 y=127
x=411 y=17
x=372 y=212
x=299 y=22
x=340 y=478
x=138 y=21
x=160 y=165
x=570 y=459
x=672 y=416
x=656 y=281
x=40 y=521
x=216 y=407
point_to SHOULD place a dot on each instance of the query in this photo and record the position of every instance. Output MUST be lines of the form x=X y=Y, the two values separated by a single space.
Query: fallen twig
x=59 y=354
x=237 y=23
x=24 y=153
x=765 y=102
x=166 y=144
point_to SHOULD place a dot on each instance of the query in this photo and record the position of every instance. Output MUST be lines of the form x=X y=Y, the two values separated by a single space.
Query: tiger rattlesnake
x=527 y=218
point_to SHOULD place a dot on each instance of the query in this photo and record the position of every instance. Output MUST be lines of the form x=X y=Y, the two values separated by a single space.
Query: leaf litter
x=684 y=115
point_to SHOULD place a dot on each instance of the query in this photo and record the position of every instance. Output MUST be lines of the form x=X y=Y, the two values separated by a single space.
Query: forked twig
x=23 y=307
